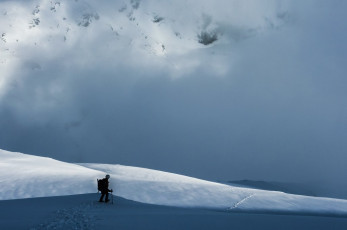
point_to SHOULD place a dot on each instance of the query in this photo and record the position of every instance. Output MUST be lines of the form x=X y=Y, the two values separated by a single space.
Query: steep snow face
x=153 y=25
x=24 y=176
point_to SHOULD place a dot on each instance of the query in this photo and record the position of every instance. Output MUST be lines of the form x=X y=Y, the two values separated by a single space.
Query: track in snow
x=241 y=201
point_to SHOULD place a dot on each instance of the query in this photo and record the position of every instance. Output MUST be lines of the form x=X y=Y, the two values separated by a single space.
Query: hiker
x=103 y=183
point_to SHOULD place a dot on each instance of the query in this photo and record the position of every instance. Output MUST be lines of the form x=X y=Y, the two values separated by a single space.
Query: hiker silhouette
x=103 y=188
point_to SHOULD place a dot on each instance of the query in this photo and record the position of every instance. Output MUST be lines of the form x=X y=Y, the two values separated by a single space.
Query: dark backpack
x=102 y=184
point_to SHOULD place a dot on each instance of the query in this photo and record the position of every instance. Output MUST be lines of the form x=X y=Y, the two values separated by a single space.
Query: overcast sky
x=128 y=82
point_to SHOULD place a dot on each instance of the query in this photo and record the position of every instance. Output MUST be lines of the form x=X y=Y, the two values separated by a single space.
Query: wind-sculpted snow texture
x=24 y=176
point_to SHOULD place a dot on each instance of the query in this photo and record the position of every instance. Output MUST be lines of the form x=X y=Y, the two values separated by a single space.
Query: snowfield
x=26 y=176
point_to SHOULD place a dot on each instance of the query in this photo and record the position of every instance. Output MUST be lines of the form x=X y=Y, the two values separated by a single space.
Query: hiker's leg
x=106 y=197
x=102 y=197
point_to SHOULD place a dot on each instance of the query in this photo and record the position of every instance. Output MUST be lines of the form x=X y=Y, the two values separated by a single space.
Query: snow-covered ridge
x=158 y=22
x=24 y=176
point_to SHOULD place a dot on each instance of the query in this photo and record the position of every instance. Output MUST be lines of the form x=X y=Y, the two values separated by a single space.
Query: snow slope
x=23 y=176
x=84 y=212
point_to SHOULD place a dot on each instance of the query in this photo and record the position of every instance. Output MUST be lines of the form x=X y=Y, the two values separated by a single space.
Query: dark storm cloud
x=265 y=104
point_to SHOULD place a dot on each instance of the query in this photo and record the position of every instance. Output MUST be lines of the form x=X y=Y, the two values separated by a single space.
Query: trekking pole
x=97 y=185
x=112 y=196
